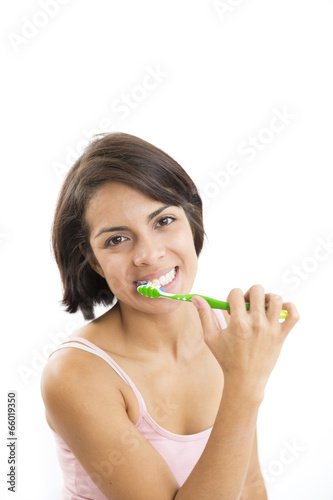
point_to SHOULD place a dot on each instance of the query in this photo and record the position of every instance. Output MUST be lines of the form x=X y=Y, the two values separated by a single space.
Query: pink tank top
x=181 y=452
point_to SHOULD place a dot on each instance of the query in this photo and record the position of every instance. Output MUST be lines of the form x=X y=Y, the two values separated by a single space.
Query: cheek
x=112 y=268
x=185 y=245
x=116 y=281
x=189 y=240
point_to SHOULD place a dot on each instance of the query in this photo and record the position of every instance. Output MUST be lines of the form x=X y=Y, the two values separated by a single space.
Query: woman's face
x=135 y=238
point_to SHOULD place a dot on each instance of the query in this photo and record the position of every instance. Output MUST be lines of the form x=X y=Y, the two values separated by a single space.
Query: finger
x=236 y=301
x=292 y=318
x=256 y=297
x=274 y=306
x=209 y=322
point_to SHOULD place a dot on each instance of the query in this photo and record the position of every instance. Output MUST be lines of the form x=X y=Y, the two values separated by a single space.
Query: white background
x=223 y=75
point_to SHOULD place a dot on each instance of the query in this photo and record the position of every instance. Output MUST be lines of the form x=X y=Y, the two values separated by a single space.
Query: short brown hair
x=115 y=157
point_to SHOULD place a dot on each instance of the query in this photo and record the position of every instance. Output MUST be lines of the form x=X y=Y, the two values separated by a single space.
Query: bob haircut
x=115 y=157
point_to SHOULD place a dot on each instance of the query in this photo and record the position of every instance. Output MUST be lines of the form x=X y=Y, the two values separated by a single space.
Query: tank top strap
x=86 y=345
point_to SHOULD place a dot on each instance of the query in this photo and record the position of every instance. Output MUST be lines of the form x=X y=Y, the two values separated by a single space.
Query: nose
x=147 y=252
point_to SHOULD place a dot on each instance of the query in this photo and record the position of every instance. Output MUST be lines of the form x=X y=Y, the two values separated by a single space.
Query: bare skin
x=189 y=360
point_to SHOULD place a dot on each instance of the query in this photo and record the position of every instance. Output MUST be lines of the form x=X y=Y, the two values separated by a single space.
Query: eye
x=114 y=241
x=165 y=221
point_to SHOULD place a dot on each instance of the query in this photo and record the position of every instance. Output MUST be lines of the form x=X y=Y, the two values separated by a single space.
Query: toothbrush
x=149 y=290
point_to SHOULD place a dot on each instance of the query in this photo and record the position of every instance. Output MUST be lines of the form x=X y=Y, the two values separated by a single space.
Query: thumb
x=210 y=325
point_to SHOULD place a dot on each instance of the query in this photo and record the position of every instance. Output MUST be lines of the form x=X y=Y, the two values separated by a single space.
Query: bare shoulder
x=71 y=379
x=71 y=374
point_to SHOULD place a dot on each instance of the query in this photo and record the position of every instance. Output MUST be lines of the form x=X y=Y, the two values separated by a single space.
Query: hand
x=249 y=347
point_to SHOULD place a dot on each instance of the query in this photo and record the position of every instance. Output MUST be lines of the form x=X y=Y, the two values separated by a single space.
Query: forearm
x=255 y=488
x=221 y=470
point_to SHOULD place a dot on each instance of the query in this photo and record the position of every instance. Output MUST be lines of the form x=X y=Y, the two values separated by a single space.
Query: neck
x=176 y=334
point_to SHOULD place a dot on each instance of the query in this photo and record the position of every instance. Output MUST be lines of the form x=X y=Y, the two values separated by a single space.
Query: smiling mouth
x=162 y=280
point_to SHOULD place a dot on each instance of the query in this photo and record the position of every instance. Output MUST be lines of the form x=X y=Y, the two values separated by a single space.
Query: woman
x=134 y=398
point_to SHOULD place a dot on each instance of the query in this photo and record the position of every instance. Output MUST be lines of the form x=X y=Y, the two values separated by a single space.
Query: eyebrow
x=126 y=228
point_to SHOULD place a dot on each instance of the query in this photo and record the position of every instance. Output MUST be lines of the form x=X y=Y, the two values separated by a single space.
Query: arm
x=254 y=486
x=247 y=351
x=85 y=405
x=220 y=472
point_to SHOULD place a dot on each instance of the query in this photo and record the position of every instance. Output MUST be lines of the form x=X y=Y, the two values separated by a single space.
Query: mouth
x=162 y=280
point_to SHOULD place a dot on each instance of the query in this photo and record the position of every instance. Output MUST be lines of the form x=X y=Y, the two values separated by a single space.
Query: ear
x=92 y=261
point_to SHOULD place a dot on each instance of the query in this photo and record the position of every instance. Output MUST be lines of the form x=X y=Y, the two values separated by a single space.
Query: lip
x=157 y=275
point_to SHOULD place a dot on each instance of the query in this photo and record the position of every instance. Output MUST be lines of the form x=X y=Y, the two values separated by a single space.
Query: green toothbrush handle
x=215 y=304
x=219 y=304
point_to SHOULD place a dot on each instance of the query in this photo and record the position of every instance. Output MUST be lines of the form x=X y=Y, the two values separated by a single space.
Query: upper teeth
x=162 y=280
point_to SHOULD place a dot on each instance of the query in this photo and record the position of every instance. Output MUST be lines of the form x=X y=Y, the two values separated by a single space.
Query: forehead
x=118 y=202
